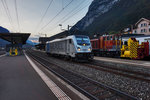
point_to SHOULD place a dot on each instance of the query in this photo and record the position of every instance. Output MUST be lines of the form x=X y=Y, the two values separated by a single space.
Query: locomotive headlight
x=89 y=49
x=78 y=48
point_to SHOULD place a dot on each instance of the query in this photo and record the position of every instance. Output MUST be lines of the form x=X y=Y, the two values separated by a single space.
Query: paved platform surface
x=19 y=81
x=2 y=52
x=124 y=61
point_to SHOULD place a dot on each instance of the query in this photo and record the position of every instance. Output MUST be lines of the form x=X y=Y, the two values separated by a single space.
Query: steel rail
x=120 y=71
x=108 y=91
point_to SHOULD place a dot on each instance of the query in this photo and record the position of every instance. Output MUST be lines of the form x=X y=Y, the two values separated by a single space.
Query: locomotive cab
x=83 y=44
x=83 y=47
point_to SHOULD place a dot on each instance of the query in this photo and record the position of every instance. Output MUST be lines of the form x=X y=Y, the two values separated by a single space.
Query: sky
x=40 y=17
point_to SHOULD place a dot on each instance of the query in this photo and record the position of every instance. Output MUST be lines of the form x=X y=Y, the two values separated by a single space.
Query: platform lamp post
x=61 y=27
x=69 y=29
x=45 y=35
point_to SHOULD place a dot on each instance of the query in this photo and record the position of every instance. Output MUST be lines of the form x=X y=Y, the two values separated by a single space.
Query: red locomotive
x=107 y=45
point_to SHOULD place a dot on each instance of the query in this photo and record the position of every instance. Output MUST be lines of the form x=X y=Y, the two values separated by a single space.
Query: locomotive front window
x=82 y=40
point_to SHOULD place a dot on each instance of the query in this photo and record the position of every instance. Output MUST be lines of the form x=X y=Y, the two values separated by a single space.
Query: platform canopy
x=15 y=38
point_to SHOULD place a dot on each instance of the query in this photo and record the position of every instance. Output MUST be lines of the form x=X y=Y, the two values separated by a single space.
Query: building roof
x=142 y=20
x=43 y=40
x=15 y=38
x=133 y=35
x=59 y=35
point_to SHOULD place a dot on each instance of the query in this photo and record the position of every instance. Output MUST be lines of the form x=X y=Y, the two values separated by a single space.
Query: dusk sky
x=30 y=14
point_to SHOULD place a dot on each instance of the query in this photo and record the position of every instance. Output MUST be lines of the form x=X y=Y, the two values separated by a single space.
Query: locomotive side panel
x=71 y=48
x=62 y=47
x=47 y=48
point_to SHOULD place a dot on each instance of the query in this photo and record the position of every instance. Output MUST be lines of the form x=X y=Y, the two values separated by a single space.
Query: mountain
x=32 y=41
x=112 y=15
x=3 y=30
x=3 y=42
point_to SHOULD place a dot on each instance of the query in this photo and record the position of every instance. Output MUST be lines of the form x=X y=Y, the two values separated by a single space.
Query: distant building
x=142 y=27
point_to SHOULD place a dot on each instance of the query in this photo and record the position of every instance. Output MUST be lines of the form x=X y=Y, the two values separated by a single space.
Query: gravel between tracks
x=127 y=66
x=136 y=88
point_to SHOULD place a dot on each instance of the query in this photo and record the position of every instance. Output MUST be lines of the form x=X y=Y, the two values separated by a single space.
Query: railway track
x=91 y=88
x=115 y=70
x=119 y=71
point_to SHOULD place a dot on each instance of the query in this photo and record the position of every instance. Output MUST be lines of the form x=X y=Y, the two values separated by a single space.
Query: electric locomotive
x=71 y=47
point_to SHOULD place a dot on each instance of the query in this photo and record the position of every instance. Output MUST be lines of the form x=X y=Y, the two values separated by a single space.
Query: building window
x=141 y=30
x=111 y=38
x=145 y=24
x=135 y=31
x=141 y=25
x=145 y=30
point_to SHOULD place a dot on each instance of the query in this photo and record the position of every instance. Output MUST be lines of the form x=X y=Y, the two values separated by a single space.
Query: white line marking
x=121 y=62
x=83 y=97
x=147 y=63
x=52 y=86
x=3 y=55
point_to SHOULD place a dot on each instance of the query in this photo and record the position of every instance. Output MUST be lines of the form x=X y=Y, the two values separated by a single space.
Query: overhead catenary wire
x=56 y=15
x=71 y=16
x=7 y=10
x=9 y=13
x=62 y=4
x=69 y=13
x=50 y=3
x=16 y=9
x=73 y=9
x=75 y=13
x=5 y=6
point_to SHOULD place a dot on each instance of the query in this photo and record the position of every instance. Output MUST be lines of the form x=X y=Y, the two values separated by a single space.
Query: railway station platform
x=122 y=62
x=2 y=52
x=19 y=81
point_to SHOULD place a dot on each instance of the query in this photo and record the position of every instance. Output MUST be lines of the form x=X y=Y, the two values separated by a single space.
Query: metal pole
x=69 y=29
